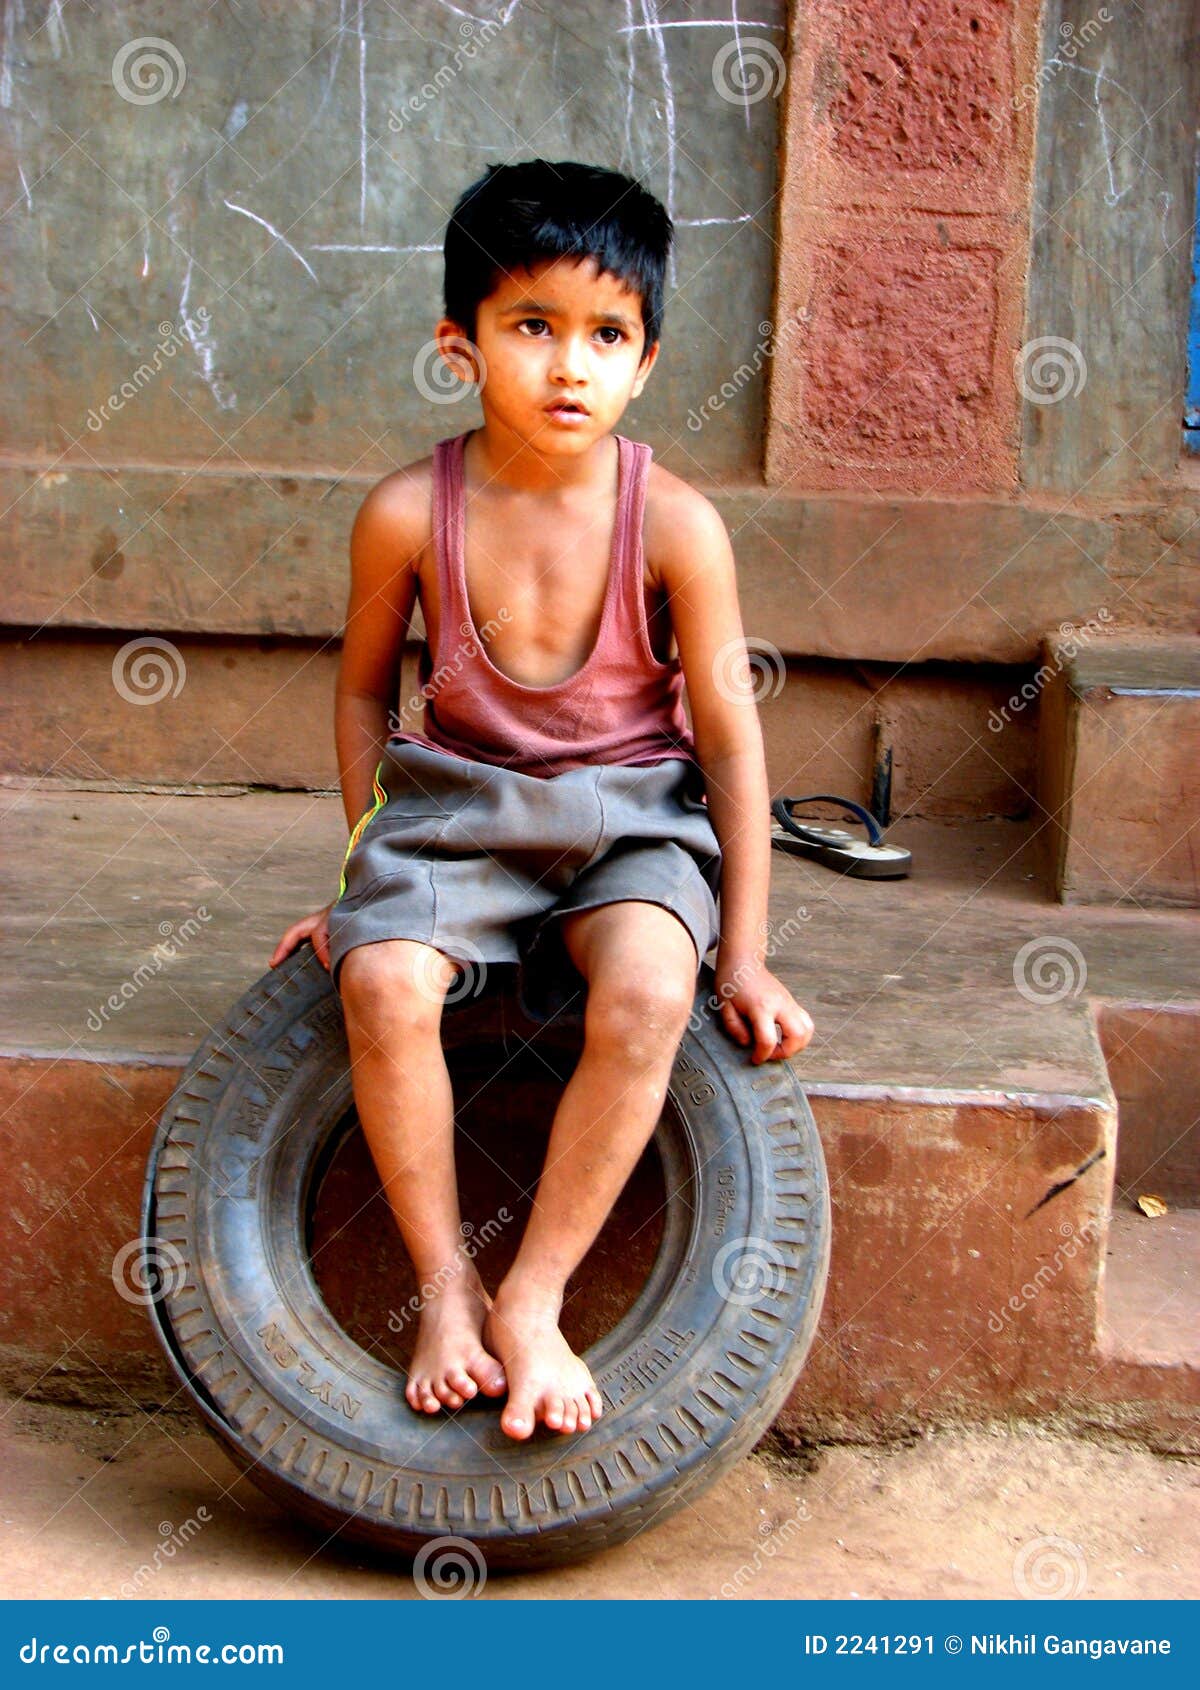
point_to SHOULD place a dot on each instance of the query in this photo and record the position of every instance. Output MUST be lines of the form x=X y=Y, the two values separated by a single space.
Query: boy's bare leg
x=640 y=966
x=392 y=995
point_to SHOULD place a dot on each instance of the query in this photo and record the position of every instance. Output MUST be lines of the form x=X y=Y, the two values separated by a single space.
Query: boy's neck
x=502 y=459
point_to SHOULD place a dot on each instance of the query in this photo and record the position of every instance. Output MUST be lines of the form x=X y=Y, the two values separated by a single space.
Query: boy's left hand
x=757 y=1008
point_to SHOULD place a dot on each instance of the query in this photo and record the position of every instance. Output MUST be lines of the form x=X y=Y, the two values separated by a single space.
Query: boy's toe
x=517 y=1418
x=570 y=1415
x=488 y=1375
x=555 y=1410
x=596 y=1404
x=446 y=1395
x=461 y=1381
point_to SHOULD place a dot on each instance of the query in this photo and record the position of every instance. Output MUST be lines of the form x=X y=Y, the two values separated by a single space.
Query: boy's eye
x=605 y=329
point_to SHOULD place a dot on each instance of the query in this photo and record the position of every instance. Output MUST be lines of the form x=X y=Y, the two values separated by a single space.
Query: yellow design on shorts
x=360 y=824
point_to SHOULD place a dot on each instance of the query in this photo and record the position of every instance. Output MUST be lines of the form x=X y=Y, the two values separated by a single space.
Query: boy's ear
x=458 y=350
x=649 y=359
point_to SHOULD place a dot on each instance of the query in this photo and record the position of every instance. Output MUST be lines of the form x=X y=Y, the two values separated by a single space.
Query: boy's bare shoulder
x=679 y=523
x=394 y=519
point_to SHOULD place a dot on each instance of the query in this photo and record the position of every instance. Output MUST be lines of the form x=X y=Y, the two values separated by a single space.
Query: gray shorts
x=480 y=861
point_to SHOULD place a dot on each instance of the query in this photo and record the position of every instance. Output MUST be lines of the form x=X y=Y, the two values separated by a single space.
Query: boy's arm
x=385 y=543
x=696 y=564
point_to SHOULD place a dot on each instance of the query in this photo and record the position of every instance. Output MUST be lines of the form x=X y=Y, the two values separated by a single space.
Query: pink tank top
x=622 y=706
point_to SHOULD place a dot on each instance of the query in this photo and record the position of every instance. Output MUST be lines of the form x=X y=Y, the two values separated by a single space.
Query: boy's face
x=559 y=331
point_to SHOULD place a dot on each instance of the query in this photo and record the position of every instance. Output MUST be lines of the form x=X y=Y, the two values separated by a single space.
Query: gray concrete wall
x=288 y=170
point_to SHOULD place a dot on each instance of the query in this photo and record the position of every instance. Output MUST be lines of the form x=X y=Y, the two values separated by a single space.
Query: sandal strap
x=781 y=809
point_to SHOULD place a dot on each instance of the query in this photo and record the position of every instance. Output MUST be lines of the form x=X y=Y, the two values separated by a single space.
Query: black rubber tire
x=692 y=1375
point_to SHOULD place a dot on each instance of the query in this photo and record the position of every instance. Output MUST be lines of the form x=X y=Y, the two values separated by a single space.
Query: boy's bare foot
x=450 y=1364
x=546 y=1379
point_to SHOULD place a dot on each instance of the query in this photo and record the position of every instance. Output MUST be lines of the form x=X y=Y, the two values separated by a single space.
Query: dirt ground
x=148 y=1506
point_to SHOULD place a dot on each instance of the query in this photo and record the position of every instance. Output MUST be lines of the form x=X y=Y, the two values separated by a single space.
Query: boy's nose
x=569 y=363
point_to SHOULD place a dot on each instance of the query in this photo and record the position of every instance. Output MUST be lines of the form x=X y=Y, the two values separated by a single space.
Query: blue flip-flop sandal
x=833 y=846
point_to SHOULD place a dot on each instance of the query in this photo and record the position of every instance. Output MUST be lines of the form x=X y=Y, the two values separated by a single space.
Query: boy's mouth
x=567 y=407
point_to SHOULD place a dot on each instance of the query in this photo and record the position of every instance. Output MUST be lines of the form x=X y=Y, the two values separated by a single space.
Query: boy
x=478 y=841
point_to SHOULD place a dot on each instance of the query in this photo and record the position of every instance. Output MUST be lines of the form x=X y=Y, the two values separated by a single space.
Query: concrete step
x=1119 y=769
x=894 y=578
x=204 y=713
x=958 y=1074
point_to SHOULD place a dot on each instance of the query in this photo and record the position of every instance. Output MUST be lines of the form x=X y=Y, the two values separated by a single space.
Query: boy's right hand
x=314 y=927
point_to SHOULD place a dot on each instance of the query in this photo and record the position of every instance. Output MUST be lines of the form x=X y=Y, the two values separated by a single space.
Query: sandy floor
x=995 y=1513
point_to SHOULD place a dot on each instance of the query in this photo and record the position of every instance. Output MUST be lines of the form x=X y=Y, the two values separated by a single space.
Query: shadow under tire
x=692 y=1375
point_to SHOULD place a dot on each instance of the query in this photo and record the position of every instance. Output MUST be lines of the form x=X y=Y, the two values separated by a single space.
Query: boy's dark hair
x=517 y=215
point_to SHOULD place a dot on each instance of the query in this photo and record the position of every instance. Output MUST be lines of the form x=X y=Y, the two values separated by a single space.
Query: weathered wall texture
x=294 y=183
x=904 y=210
x=924 y=341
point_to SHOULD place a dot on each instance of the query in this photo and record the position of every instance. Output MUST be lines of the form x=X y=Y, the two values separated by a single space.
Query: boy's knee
x=395 y=980
x=642 y=1015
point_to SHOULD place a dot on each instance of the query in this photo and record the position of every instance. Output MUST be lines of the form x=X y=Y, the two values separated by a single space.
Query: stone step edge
x=857 y=1091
